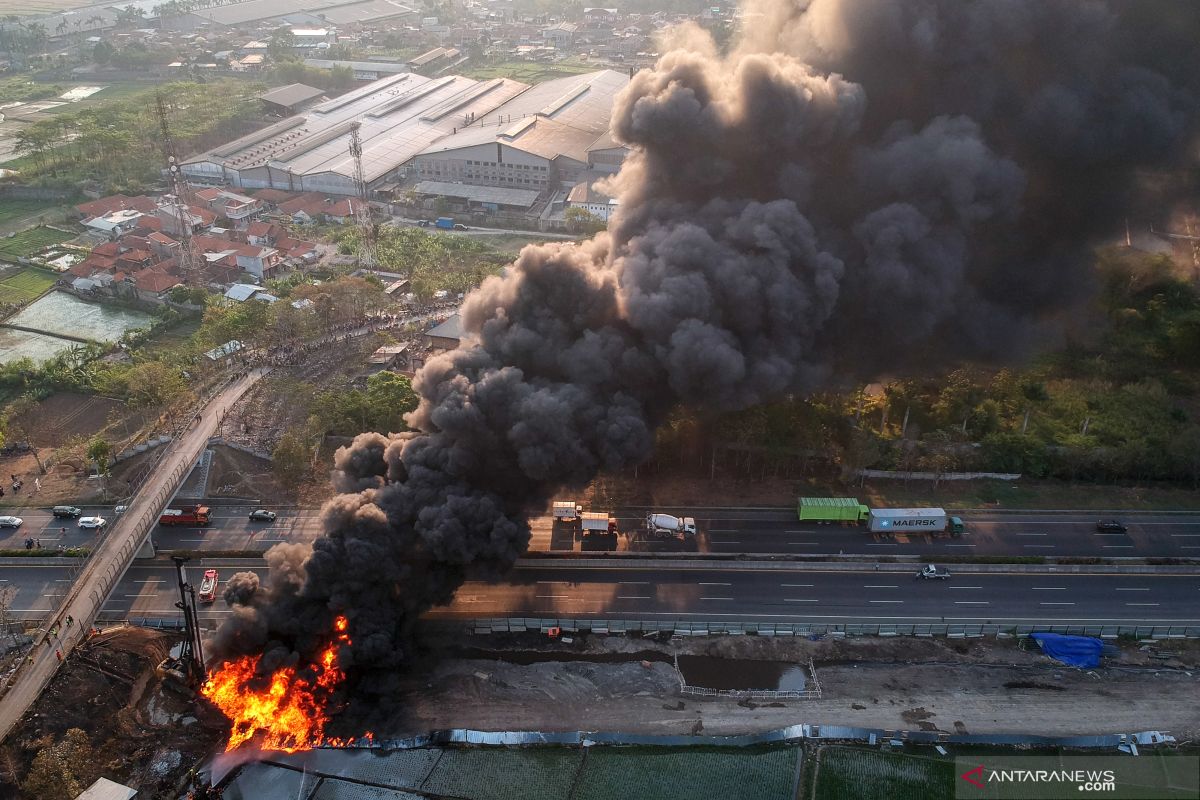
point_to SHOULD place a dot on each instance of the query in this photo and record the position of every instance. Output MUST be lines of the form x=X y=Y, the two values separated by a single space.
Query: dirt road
x=898 y=684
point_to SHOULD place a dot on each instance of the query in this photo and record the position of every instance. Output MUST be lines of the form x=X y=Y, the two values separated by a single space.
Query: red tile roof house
x=116 y=202
x=264 y=234
x=273 y=198
x=153 y=285
x=236 y=207
x=261 y=262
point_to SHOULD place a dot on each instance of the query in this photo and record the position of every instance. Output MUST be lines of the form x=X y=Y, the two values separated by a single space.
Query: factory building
x=450 y=129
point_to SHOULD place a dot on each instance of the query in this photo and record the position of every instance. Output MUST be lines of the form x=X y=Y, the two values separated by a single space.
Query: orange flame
x=291 y=711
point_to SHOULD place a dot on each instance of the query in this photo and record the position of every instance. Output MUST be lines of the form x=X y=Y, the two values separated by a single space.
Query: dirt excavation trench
x=525 y=682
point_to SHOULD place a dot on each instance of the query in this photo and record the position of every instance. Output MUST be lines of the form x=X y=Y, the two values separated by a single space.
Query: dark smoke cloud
x=858 y=182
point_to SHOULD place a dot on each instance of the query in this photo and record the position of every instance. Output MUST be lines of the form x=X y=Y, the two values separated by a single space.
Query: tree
x=390 y=396
x=8 y=593
x=99 y=450
x=289 y=459
x=62 y=771
x=580 y=220
x=282 y=42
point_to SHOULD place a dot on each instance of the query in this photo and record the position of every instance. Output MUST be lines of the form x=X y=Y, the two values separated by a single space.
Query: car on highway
x=424 y=223
x=92 y=522
x=208 y=586
x=67 y=512
x=1111 y=526
x=932 y=572
x=262 y=515
x=458 y=226
x=11 y=522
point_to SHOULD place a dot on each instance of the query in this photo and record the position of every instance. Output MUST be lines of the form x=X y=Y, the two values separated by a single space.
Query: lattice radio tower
x=188 y=265
x=362 y=211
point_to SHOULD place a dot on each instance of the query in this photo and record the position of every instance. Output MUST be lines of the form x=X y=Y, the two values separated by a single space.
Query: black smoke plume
x=860 y=184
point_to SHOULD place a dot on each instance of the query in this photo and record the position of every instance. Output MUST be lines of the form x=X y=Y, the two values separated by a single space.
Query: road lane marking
x=1141 y=604
x=716 y=598
x=552 y=596
x=634 y=583
x=1033 y=534
x=798 y=600
x=802 y=543
x=961 y=545
x=886 y=601
x=1041 y=546
x=970 y=602
x=1116 y=546
x=1186 y=535
x=881 y=586
x=723 y=541
x=702 y=583
x=883 y=544
x=964 y=587
x=634 y=597
x=1130 y=589
x=1048 y=588
x=1056 y=604
x=797 y=585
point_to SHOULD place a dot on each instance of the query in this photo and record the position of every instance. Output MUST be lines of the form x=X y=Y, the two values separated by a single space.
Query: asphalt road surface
x=648 y=591
x=727 y=531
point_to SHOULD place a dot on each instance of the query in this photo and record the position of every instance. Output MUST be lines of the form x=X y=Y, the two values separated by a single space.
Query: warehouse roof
x=364 y=11
x=565 y=116
x=450 y=329
x=523 y=198
x=291 y=95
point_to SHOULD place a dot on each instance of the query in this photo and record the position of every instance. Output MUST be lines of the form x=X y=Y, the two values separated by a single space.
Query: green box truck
x=831 y=509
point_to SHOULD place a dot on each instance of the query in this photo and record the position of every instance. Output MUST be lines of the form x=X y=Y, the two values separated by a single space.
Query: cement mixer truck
x=666 y=526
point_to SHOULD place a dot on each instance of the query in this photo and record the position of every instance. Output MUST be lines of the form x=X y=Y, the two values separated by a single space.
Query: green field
x=28 y=242
x=12 y=209
x=26 y=285
x=664 y=773
x=528 y=71
x=848 y=773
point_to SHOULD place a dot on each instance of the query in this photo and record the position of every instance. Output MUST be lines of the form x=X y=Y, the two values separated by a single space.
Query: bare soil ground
x=957 y=686
x=68 y=414
x=66 y=481
x=146 y=735
x=238 y=474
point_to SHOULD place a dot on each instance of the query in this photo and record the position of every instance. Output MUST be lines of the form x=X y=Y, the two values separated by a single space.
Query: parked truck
x=831 y=509
x=665 y=525
x=914 y=520
x=185 y=515
x=566 y=510
x=597 y=523
x=445 y=223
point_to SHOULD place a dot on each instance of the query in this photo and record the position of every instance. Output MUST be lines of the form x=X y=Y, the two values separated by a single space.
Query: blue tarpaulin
x=1078 y=651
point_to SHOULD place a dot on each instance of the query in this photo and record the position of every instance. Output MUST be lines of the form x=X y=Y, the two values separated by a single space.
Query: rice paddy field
x=28 y=242
x=26 y=285
x=851 y=773
x=14 y=209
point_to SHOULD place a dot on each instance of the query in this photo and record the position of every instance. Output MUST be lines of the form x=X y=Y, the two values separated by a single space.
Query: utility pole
x=182 y=193
x=362 y=212
x=191 y=652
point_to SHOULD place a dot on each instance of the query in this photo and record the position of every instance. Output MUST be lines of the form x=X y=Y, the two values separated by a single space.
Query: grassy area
x=513 y=243
x=15 y=209
x=28 y=242
x=658 y=773
x=848 y=773
x=26 y=285
x=528 y=71
x=110 y=92
x=533 y=774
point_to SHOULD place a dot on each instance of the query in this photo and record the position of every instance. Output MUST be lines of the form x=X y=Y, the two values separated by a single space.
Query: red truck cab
x=185 y=515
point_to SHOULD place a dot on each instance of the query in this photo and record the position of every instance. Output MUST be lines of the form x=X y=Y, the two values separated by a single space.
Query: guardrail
x=811 y=690
x=1104 y=630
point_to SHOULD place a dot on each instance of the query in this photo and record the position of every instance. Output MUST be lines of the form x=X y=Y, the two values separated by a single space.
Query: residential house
x=447 y=335
x=153 y=284
x=241 y=292
x=561 y=36
x=261 y=262
x=176 y=216
x=264 y=234
x=114 y=224
x=116 y=202
x=233 y=206
x=272 y=198
x=595 y=203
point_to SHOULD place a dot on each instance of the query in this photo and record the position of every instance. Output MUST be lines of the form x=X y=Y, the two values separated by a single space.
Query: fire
x=291 y=711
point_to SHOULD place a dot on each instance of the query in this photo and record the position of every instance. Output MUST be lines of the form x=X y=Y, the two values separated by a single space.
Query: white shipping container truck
x=912 y=520
x=566 y=510
x=595 y=522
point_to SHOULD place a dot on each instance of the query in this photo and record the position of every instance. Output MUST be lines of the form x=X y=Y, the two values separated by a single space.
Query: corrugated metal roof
x=450 y=329
x=104 y=789
x=479 y=194
x=290 y=95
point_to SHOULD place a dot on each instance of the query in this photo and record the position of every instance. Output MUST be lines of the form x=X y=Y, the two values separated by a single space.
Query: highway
x=649 y=591
x=721 y=531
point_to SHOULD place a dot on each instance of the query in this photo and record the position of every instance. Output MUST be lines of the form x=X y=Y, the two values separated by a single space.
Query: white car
x=92 y=522
x=11 y=522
